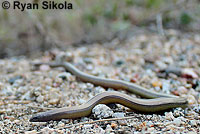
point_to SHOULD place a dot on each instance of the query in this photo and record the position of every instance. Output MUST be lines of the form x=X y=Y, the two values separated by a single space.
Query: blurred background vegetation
x=34 y=31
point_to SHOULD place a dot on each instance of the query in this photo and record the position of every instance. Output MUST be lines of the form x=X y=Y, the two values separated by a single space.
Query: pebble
x=18 y=83
x=178 y=112
x=177 y=122
x=189 y=73
x=21 y=89
x=197 y=108
x=61 y=124
x=191 y=132
x=151 y=129
x=167 y=60
x=102 y=111
x=48 y=81
x=37 y=93
x=182 y=90
x=166 y=87
x=27 y=96
x=108 y=129
x=38 y=123
x=113 y=125
x=90 y=67
x=40 y=98
x=7 y=90
x=54 y=97
x=99 y=89
x=197 y=86
x=100 y=131
x=82 y=101
x=44 y=68
x=161 y=65
x=16 y=121
x=66 y=76
x=47 y=130
x=120 y=115
x=58 y=80
x=188 y=85
x=87 y=60
x=88 y=126
x=31 y=132
x=172 y=70
x=69 y=56
x=13 y=79
x=193 y=93
x=157 y=83
x=191 y=99
x=169 y=116
x=65 y=56
x=193 y=123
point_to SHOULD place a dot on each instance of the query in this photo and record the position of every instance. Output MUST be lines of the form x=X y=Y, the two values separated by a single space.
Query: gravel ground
x=170 y=65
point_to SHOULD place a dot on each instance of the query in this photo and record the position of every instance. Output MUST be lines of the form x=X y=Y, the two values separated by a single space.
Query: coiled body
x=157 y=101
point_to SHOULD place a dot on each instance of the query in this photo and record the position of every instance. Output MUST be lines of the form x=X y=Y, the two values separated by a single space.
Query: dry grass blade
x=102 y=120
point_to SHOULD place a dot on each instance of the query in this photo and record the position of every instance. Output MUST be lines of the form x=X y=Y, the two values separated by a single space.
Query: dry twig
x=102 y=120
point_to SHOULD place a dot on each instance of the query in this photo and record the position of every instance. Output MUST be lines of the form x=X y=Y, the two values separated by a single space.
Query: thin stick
x=102 y=120
x=160 y=24
x=6 y=102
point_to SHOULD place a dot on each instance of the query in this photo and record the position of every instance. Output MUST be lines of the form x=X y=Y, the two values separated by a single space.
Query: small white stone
x=58 y=80
x=193 y=123
x=16 y=121
x=47 y=130
x=182 y=90
x=108 y=129
x=151 y=129
x=177 y=122
x=149 y=72
x=21 y=89
x=161 y=64
x=44 y=68
x=189 y=72
x=18 y=82
x=100 y=131
x=169 y=116
x=48 y=87
x=27 y=96
x=90 y=67
x=37 y=93
x=102 y=111
x=87 y=126
x=7 y=90
x=54 y=97
x=61 y=124
x=118 y=115
x=191 y=100
x=167 y=60
x=99 y=90
x=40 y=99
x=191 y=132
x=149 y=123
x=81 y=101
x=166 y=86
